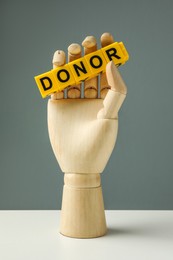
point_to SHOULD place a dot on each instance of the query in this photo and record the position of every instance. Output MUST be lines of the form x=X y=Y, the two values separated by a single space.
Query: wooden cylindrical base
x=82 y=214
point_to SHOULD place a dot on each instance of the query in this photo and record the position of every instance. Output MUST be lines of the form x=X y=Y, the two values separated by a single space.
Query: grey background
x=139 y=174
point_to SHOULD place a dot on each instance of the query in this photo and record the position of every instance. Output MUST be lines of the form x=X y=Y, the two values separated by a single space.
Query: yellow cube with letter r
x=123 y=48
x=113 y=52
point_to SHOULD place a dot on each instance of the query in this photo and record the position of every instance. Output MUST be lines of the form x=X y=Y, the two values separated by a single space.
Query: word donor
x=81 y=69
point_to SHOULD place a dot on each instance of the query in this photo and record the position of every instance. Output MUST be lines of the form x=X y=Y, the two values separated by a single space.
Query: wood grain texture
x=81 y=142
x=82 y=214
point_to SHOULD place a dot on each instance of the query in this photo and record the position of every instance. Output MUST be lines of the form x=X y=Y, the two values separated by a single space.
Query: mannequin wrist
x=82 y=180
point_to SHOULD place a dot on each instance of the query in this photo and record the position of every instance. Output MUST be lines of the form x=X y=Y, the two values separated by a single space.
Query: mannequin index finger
x=58 y=60
x=74 y=52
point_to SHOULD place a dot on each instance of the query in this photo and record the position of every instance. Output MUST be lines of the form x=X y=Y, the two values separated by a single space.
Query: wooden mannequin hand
x=83 y=130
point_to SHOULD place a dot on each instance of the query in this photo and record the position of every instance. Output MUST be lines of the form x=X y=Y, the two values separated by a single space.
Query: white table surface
x=137 y=235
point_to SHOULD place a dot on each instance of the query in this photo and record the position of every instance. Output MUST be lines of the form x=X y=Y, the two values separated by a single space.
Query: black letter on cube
x=112 y=53
x=77 y=68
x=43 y=83
x=59 y=77
x=92 y=63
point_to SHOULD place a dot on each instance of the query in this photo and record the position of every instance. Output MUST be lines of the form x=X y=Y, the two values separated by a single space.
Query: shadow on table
x=144 y=230
x=122 y=231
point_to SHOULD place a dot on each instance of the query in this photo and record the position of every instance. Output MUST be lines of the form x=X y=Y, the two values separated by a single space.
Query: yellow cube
x=96 y=62
x=123 y=48
x=113 y=52
x=63 y=76
x=80 y=69
x=46 y=83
